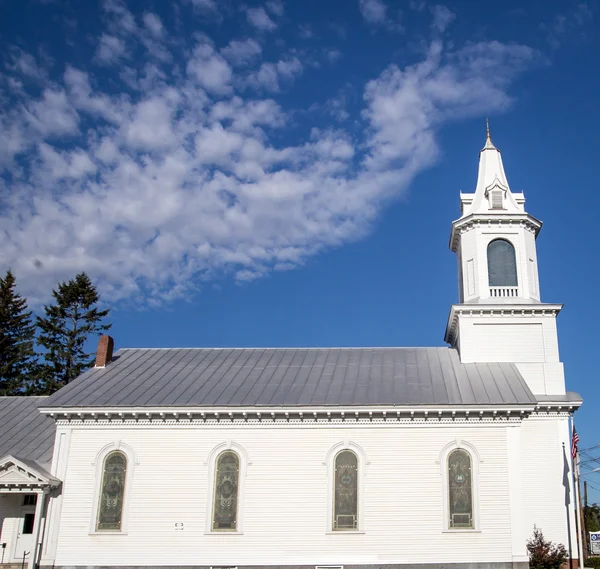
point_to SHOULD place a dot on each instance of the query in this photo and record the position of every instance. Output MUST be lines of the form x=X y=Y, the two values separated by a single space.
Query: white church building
x=313 y=457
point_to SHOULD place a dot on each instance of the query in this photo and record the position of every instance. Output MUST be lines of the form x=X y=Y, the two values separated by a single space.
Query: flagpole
x=575 y=462
x=567 y=501
x=578 y=513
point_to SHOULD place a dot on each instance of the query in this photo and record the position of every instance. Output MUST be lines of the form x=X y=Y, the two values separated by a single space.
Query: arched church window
x=502 y=263
x=345 y=495
x=112 y=491
x=460 y=489
x=226 y=484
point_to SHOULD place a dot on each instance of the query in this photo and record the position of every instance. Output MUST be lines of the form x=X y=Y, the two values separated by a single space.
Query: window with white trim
x=345 y=491
x=112 y=492
x=459 y=466
x=225 y=497
x=502 y=263
x=460 y=489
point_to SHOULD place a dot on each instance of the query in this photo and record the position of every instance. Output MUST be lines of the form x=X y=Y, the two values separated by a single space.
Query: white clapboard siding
x=286 y=494
x=543 y=475
x=500 y=342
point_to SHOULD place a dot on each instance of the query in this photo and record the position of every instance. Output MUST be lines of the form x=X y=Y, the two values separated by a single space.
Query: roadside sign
x=595 y=542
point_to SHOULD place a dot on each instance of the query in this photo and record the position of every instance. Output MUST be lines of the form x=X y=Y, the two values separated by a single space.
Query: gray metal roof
x=24 y=432
x=295 y=377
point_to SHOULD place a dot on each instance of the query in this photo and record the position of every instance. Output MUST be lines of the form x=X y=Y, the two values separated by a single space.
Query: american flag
x=574 y=443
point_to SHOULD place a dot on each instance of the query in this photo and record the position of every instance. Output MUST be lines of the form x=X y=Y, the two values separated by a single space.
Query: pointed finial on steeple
x=488 y=136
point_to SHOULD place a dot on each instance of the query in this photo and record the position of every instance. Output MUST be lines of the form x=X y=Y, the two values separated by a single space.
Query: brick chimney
x=105 y=351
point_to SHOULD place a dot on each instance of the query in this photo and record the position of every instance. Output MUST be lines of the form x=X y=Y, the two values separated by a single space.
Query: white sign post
x=595 y=542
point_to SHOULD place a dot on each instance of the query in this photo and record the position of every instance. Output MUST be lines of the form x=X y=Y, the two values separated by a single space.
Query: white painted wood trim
x=60 y=458
x=37 y=524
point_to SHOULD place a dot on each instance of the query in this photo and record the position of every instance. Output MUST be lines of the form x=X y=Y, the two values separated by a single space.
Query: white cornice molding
x=495 y=310
x=430 y=415
x=491 y=219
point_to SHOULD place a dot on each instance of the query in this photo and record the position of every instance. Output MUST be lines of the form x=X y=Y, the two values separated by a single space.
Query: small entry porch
x=24 y=488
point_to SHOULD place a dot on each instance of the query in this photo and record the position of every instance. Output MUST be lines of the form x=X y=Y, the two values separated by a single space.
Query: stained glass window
x=112 y=491
x=345 y=495
x=226 y=492
x=502 y=265
x=460 y=489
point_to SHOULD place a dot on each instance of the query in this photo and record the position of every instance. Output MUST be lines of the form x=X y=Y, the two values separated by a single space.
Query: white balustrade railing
x=504 y=291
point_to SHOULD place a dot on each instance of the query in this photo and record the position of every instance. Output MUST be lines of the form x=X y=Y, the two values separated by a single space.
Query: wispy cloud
x=442 y=17
x=569 y=26
x=375 y=13
x=163 y=176
x=110 y=49
x=270 y=76
x=242 y=52
x=259 y=18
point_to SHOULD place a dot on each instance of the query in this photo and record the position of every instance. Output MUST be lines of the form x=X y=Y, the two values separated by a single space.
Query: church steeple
x=492 y=191
x=500 y=316
x=495 y=238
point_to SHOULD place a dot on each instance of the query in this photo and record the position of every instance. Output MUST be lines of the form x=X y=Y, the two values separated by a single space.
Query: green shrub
x=545 y=554
x=593 y=562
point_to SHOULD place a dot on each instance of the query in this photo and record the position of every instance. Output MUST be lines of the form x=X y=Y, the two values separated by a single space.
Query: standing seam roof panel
x=295 y=377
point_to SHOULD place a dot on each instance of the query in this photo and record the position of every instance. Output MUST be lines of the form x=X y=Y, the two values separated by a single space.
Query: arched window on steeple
x=502 y=263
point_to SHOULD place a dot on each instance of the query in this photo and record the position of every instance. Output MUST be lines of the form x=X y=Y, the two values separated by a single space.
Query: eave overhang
x=490 y=219
x=272 y=416
x=488 y=310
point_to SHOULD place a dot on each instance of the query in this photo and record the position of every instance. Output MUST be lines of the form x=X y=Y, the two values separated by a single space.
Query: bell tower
x=500 y=316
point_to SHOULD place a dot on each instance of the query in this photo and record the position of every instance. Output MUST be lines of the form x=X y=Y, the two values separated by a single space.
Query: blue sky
x=285 y=173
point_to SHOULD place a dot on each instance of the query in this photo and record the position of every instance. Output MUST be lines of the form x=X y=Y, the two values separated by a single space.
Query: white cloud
x=151 y=127
x=25 y=64
x=305 y=31
x=333 y=55
x=153 y=24
x=571 y=25
x=208 y=5
x=57 y=165
x=53 y=114
x=209 y=69
x=275 y=7
x=373 y=11
x=179 y=178
x=241 y=52
x=110 y=49
x=260 y=19
x=442 y=17
x=121 y=19
x=270 y=75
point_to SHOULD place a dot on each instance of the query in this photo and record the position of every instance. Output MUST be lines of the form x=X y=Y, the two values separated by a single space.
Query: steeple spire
x=489 y=145
x=492 y=192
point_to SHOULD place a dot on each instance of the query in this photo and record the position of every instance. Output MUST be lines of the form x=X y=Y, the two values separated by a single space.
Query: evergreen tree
x=17 y=333
x=65 y=329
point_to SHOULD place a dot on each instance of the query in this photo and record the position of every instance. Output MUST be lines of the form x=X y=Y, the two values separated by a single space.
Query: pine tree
x=68 y=324
x=17 y=333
